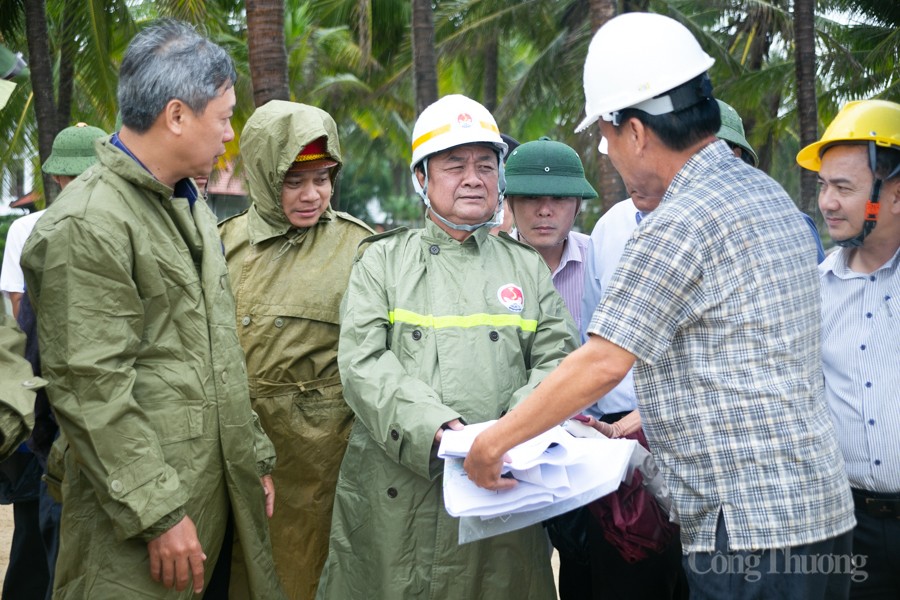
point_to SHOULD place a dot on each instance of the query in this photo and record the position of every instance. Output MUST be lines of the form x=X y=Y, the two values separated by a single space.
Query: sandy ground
x=6 y=529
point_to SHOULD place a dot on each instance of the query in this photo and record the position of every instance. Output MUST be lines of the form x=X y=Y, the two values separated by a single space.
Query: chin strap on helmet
x=494 y=222
x=872 y=206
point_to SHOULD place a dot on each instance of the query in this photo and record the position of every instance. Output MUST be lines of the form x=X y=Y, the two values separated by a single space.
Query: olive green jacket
x=17 y=387
x=147 y=381
x=434 y=330
x=288 y=285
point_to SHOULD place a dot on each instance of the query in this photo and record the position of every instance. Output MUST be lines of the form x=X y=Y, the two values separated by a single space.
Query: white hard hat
x=633 y=60
x=453 y=121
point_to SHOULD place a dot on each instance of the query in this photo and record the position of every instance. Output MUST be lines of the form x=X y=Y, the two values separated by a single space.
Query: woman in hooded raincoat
x=289 y=258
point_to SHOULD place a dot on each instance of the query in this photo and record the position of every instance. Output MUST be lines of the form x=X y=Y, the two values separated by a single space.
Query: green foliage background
x=353 y=58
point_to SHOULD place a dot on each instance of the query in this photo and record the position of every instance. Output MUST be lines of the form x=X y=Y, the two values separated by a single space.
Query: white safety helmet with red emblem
x=452 y=121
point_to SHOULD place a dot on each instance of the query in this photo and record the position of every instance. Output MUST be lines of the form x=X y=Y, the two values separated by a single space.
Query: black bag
x=568 y=533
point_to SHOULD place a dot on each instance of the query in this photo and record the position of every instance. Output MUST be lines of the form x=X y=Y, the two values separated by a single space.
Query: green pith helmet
x=11 y=67
x=73 y=150
x=546 y=168
x=733 y=130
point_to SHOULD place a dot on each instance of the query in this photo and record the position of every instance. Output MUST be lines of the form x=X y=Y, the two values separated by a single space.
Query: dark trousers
x=219 y=582
x=600 y=572
x=876 y=546
x=815 y=571
x=27 y=576
x=49 y=513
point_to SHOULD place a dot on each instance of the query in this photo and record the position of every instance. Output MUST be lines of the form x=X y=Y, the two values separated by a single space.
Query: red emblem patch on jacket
x=511 y=296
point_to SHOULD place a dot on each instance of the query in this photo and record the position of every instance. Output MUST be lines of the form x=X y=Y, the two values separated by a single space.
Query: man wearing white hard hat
x=716 y=304
x=439 y=326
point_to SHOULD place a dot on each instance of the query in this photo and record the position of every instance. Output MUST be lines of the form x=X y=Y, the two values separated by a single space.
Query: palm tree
x=805 y=62
x=424 y=69
x=41 y=83
x=268 y=57
x=73 y=51
x=356 y=59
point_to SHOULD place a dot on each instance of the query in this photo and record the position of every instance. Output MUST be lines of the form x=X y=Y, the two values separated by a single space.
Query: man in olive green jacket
x=17 y=388
x=17 y=383
x=289 y=257
x=137 y=337
x=440 y=325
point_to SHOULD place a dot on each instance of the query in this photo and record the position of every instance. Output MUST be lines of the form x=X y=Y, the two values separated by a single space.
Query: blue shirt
x=820 y=251
x=861 y=363
x=607 y=244
x=184 y=188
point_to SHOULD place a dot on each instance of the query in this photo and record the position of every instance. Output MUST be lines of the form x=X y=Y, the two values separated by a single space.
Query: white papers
x=550 y=468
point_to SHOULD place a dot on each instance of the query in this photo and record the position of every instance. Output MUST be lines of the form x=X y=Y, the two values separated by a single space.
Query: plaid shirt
x=717 y=295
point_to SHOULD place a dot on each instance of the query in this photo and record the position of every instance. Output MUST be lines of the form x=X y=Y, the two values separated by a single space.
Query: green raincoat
x=17 y=387
x=288 y=285
x=434 y=330
x=147 y=381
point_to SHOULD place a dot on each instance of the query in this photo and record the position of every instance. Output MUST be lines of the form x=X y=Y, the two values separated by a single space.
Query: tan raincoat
x=147 y=381
x=288 y=284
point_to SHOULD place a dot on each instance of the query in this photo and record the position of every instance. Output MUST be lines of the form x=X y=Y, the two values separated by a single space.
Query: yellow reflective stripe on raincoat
x=406 y=316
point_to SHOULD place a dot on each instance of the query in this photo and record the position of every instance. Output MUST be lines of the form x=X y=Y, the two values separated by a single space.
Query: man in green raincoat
x=17 y=382
x=17 y=388
x=137 y=337
x=289 y=257
x=440 y=326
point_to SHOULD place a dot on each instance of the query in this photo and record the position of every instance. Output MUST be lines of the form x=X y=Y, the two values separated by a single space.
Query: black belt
x=878 y=505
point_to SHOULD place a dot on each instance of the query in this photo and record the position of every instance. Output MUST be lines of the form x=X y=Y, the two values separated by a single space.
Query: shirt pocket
x=171 y=397
x=257 y=313
x=287 y=342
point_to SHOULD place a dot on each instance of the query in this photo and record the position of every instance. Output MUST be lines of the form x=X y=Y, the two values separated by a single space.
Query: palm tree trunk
x=424 y=62
x=66 y=67
x=805 y=63
x=268 y=56
x=491 y=61
x=41 y=85
x=611 y=188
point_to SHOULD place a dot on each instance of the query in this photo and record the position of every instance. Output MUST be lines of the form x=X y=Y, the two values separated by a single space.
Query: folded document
x=551 y=469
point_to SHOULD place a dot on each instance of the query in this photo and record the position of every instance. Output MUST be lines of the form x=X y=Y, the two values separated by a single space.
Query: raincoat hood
x=272 y=138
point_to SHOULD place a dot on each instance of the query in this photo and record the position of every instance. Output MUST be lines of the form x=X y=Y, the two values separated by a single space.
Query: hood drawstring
x=293 y=237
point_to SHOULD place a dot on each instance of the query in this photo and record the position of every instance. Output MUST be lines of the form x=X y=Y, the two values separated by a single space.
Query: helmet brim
x=810 y=157
x=557 y=186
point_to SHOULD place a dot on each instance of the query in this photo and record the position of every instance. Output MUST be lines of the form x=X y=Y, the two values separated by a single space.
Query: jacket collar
x=130 y=170
x=434 y=234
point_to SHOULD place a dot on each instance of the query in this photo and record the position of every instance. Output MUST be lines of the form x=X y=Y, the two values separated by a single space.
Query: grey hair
x=170 y=60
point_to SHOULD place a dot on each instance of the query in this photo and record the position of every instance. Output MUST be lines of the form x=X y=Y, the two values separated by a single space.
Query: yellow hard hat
x=875 y=121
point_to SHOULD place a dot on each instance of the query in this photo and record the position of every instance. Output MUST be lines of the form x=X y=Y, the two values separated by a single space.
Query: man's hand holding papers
x=550 y=469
